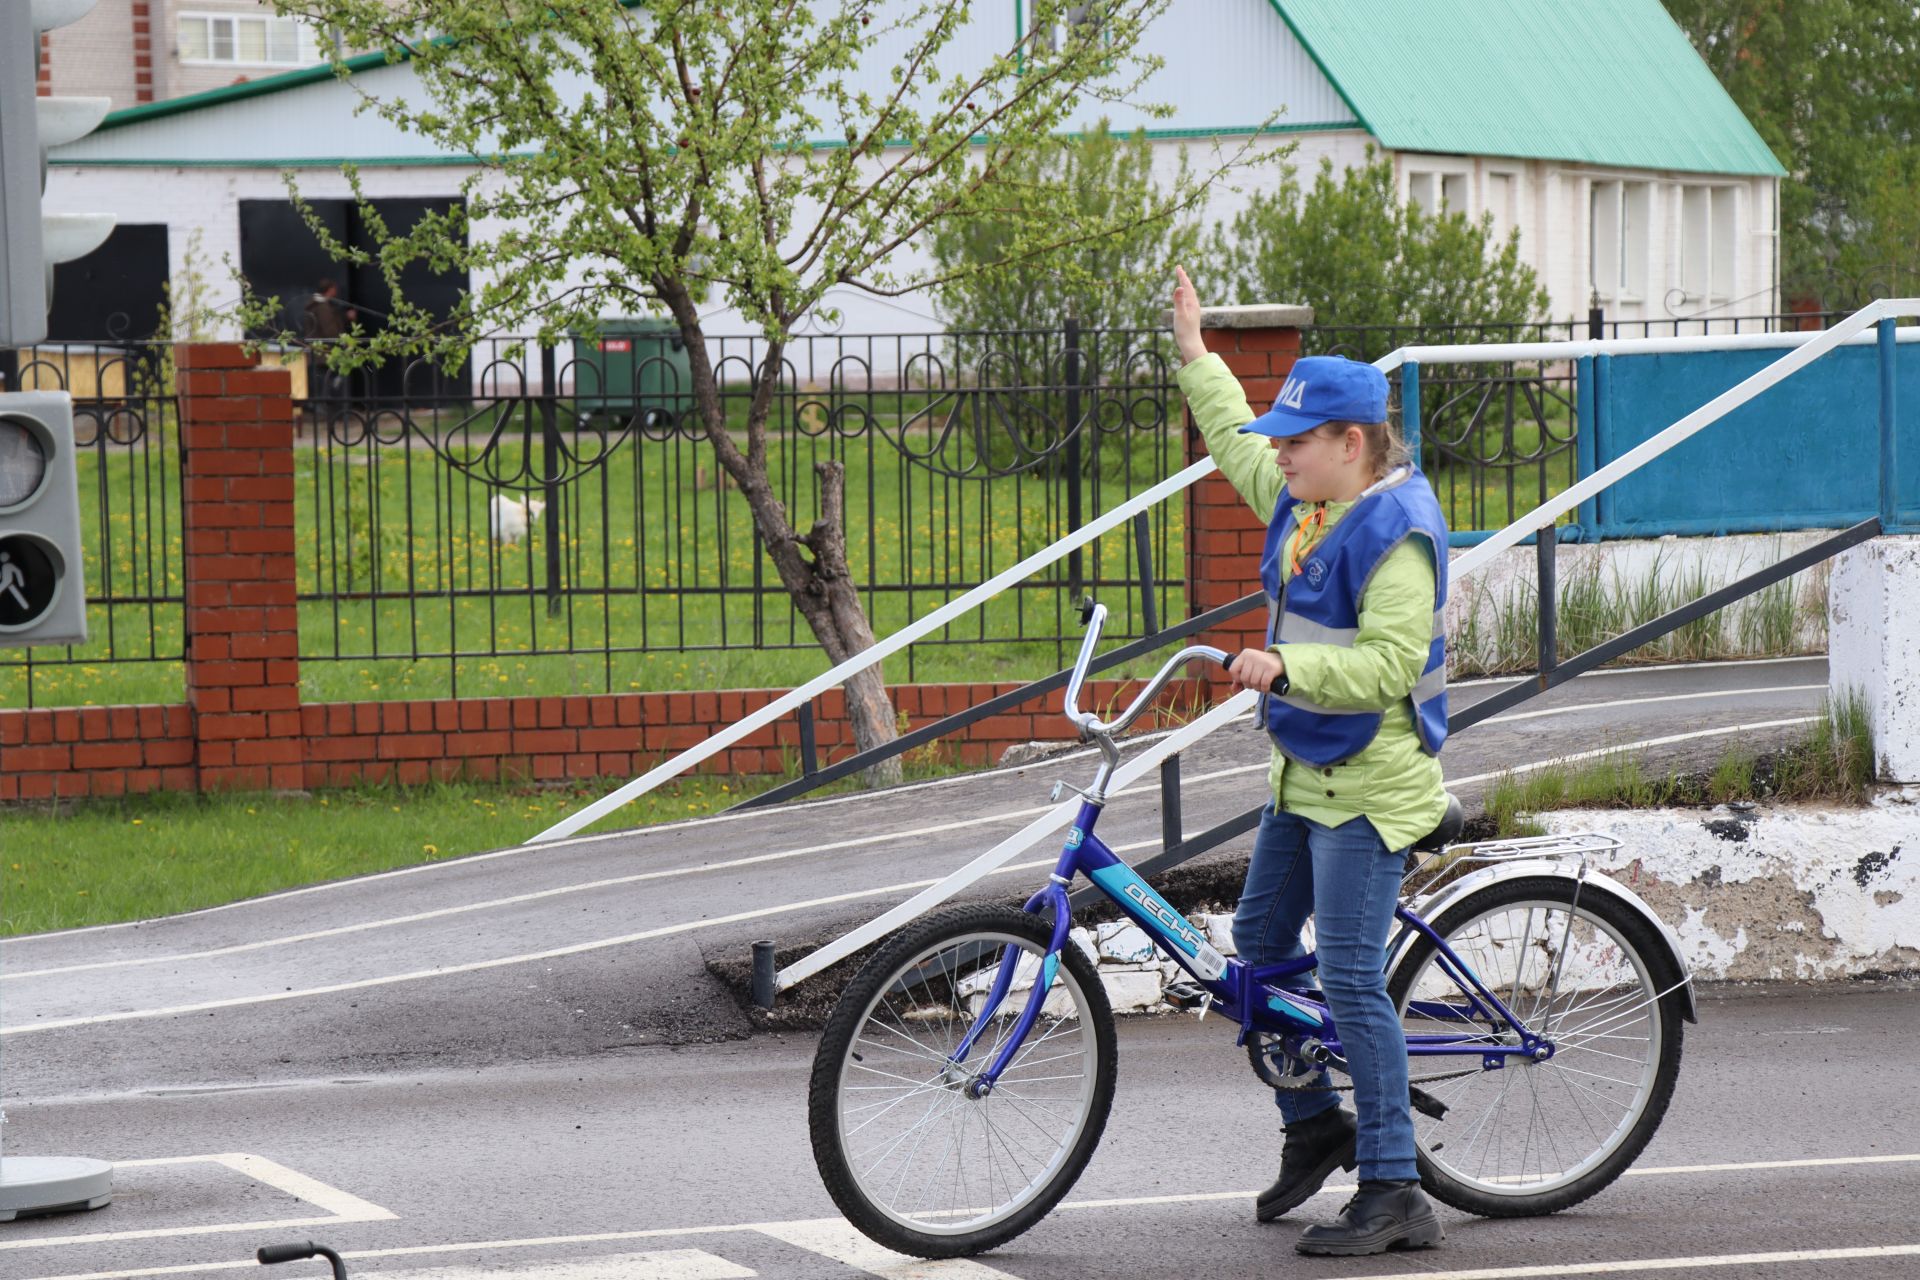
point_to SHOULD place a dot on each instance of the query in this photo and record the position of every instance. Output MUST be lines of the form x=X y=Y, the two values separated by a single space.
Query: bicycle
x=943 y=1125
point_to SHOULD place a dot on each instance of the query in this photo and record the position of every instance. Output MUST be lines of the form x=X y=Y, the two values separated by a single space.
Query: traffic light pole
x=42 y=575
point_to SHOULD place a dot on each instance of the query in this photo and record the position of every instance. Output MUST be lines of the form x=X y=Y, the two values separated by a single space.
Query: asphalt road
x=422 y=1037
x=1794 y=1132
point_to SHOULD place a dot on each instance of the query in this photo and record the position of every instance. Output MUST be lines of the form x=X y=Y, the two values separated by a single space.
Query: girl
x=1353 y=686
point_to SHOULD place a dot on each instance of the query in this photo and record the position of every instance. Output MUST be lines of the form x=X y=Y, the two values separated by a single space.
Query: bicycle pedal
x=1188 y=995
x=1426 y=1104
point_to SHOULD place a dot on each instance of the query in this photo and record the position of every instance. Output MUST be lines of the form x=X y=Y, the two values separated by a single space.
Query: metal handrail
x=1880 y=313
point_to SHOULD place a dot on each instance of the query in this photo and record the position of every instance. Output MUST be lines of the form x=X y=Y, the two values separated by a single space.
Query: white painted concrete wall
x=1875 y=649
x=1799 y=892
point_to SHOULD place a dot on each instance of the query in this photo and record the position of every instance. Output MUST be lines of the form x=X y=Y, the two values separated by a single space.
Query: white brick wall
x=1552 y=204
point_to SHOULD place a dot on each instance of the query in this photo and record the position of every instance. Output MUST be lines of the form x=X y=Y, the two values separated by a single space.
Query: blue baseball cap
x=1324 y=389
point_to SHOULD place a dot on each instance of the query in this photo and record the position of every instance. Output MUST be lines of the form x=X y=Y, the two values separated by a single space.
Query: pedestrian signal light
x=42 y=574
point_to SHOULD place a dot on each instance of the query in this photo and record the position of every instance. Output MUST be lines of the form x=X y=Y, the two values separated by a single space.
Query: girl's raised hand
x=1186 y=318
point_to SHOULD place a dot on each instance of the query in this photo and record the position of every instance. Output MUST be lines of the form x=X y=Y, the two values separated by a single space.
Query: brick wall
x=95 y=751
x=243 y=725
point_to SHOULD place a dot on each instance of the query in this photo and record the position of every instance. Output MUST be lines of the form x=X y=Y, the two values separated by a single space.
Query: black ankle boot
x=1315 y=1147
x=1381 y=1216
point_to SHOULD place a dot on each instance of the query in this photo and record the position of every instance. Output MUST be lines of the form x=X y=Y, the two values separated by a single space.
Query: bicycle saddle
x=1448 y=830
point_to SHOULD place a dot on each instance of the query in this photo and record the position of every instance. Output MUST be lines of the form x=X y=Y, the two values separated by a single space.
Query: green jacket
x=1393 y=783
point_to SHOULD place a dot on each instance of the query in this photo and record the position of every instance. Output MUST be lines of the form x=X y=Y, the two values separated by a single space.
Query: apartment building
x=141 y=51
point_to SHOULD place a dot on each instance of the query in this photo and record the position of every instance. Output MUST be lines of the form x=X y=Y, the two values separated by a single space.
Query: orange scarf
x=1307 y=535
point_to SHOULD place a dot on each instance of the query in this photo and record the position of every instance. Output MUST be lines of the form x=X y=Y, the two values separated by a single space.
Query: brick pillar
x=1224 y=536
x=243 y=639
x=142 y=50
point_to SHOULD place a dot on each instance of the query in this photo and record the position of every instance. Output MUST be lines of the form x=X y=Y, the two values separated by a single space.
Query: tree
x=1360 y=257
x=1114 y=279
x=637 y=153
x=1829 y=84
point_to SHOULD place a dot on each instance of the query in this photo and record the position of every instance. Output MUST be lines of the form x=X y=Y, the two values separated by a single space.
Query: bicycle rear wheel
x=909 y=1156
x=1535 y=1137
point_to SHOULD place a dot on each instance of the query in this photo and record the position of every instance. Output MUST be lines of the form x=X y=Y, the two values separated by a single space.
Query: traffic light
x=32 y=242
x=43 y=595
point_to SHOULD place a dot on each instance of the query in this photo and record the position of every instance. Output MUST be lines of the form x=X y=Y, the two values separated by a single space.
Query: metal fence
x=127 y=438
x=555 y=520
x=1498 y=440
x=557 y=517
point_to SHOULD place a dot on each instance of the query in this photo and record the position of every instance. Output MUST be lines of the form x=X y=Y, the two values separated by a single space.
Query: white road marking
x=891 y=837
x=774 y=1228
x=340 y=1206
x=1555 y=761
x=1684 y=1265
x=763 y=912
x=468 y=860
x=838 y=1239
x=1640 y=702
x=663 y=1264
x=477 y=965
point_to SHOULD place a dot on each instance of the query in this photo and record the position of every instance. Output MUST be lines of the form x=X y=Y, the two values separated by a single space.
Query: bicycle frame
x=1256 y=997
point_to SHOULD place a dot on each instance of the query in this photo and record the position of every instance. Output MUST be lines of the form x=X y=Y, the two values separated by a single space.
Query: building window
x=1619 y=215
x=1500 y=189
x=1053 y=26
x=1708 y=237
x=1436 y=192
x=247 y=40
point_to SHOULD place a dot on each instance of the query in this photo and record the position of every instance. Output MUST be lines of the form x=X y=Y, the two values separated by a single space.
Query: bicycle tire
x=945 y=960
x=1617 y=985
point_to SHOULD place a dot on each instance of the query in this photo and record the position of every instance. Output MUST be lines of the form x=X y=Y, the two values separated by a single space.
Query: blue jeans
x=1350 y=881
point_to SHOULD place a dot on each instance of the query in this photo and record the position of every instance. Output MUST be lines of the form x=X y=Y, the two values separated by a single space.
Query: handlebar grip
x=269 y=1254
x=1226 y=661
x=1086 y=610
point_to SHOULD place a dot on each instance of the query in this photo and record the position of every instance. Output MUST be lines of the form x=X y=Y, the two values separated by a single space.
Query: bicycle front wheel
x=1534 y=1137
x=908 y=1154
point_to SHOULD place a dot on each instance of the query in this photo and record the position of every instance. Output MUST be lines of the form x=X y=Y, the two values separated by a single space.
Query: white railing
x=1803 y=349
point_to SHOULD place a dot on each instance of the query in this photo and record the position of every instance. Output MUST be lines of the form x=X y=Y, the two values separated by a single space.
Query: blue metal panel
x=1588 y=515
x=1805 y=454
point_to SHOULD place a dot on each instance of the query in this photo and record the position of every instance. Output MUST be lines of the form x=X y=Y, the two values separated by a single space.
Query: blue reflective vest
x=1321 y=604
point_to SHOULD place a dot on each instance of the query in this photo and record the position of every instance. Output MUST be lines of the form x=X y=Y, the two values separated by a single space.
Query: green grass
x=386 y=519
x=102 y=861
x=374 y=517
x=1833 y=763
x=1594 y=603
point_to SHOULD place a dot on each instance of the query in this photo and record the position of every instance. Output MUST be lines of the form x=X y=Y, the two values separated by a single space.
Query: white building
x=1593 y=129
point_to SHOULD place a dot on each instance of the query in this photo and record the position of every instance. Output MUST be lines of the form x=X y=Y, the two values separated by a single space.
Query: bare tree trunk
x=869 y=709
x=812 y=567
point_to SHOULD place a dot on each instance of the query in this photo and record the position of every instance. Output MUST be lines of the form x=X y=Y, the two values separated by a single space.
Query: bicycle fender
x=1596 y=882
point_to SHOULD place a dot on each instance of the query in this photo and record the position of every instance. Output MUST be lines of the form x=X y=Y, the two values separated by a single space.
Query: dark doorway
x=114 y=293
x=282 y=258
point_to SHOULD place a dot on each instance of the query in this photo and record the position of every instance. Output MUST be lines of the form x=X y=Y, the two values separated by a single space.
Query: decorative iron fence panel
x=560 y=521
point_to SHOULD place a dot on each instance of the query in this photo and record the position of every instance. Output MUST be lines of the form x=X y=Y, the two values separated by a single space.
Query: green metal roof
x=1610 y=83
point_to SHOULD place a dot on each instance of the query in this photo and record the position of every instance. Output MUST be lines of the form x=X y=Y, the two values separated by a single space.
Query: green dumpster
x=636 y=370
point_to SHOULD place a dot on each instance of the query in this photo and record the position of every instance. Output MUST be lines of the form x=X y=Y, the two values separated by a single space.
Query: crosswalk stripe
x=838 y=1239
x=660 y=1264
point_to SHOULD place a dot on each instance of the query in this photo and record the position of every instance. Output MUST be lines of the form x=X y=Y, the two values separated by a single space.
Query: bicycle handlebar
x=1095 y=617
x=270 y=1254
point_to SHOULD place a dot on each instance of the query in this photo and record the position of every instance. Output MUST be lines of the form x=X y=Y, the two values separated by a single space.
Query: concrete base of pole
x=52 y=1184
x=1873 y=629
